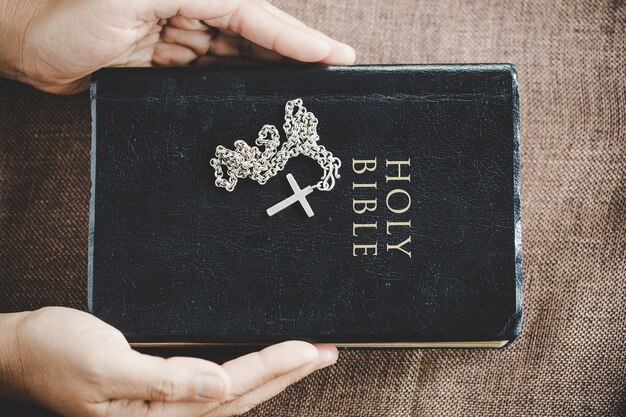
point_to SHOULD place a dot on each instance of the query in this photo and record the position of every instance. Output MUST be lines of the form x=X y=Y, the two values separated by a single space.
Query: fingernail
x=344 y=54
x=327 y=357
x=348 y=49
x=209 y=387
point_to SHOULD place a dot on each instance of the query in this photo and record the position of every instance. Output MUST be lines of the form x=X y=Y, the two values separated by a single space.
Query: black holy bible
x=381 y=210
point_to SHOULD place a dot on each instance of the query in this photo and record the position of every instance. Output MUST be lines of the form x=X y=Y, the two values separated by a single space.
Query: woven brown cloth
x=571 y=357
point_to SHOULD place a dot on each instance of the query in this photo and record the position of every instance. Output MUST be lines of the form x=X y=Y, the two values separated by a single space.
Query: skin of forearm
x=12 y=382
x=16 y=16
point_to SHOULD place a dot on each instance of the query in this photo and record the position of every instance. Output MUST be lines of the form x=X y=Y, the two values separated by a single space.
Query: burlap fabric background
x=571 y=357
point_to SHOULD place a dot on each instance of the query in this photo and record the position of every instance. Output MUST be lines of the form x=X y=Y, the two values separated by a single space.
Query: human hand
x=76 y=365
x=55 y=45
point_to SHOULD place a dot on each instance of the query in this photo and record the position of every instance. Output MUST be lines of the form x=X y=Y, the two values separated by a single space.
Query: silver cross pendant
x=298 y=195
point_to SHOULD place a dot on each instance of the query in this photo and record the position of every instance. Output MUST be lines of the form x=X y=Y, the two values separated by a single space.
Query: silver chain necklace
x=247 y=161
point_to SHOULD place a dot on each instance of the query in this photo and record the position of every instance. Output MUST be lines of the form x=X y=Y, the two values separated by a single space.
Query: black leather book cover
x=417 y=244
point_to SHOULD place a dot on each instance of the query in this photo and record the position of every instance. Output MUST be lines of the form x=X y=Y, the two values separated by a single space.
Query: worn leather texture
x=569 y=359
x=173 y=258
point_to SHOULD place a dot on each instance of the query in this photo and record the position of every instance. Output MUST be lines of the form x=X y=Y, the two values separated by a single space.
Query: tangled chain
x=249 y=161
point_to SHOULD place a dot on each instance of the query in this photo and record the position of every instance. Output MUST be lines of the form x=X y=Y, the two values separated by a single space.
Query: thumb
x=140 y=376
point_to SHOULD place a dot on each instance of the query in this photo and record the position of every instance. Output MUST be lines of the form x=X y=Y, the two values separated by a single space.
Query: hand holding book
x=55 y=46
x=77 y=365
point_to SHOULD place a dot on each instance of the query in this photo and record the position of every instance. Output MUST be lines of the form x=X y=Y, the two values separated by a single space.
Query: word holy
x=397 y=202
